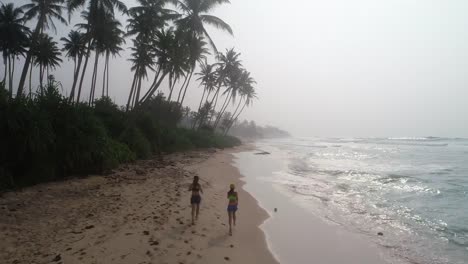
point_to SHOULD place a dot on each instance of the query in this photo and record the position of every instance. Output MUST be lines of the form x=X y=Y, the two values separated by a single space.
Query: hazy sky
x=344 y=67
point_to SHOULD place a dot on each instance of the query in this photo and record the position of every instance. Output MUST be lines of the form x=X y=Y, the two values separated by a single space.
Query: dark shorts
x=196 y=199
x=232 y=208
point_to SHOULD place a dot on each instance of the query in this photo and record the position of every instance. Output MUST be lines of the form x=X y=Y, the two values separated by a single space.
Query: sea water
x=409 y=196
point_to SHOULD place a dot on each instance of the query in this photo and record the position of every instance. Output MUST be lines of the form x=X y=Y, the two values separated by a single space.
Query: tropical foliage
x=169 y=45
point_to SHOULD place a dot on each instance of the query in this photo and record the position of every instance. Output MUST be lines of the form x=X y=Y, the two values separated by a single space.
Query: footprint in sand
x=226 y=258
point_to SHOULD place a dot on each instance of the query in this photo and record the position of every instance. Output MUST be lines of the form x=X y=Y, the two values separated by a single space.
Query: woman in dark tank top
x=195 y=199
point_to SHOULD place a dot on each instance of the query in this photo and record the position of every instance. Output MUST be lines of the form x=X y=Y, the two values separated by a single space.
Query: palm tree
x=207 y=79
x=112 y=46
x=46 y=55
x=229 y=64
x=147 y=18
x=198 y=53
x=142 y=60
x=107 y=38
x=248 y=95
x=163 y=49
x=233 y=84
x=245 y=86
x=195 y=14
x=13 y=39
x=75 y=48
x=146 y=22
x=178 y=65
x=44 y=11
x=96 y=11
x=109 y=5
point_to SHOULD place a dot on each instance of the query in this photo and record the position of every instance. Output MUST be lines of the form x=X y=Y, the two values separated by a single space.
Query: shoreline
x=138 y=214
x=295 y=234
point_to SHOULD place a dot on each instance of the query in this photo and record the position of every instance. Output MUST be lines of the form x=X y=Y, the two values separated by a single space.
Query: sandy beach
x=140 y=213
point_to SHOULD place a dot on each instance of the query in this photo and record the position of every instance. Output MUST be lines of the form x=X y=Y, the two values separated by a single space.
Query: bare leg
x=198 y=211
x=230 y=223
x=234 y=217
x=193 y=214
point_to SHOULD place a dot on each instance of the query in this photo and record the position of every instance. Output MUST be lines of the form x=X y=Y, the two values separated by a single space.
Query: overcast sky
x=343 y=67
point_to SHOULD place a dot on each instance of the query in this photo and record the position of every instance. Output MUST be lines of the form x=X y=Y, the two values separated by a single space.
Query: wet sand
x=138 y=214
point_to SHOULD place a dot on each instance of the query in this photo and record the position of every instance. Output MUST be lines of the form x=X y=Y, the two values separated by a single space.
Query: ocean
x=406 y=196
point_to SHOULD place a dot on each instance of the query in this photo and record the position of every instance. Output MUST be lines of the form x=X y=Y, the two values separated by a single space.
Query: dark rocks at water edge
x=263 y=153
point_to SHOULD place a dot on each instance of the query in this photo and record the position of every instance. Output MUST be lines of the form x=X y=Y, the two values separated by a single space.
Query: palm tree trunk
x=215 y=96
x=41 y=78
x=74 y=65
x=76 y=74
x=107 y=82
x=104 y=76
x=203 y=97
x=93 y=79
x=10 y=78
x=88 y=53
x=132 y=90
x=186 y=86
x=5 y=62
x=171 y=87
x=138 y=90
x=30 y=81
x=233 y=115
x=155 y=78
x=182 y=88
x=27 y=62
x=223 y=108
x=235 y=119
x=47 y=77
x=152 y=91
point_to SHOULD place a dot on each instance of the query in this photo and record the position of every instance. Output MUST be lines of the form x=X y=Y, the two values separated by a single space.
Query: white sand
x=139 y=214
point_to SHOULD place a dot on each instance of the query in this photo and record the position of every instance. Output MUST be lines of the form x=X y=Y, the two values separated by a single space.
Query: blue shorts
x=232 y=208
x=196 y=199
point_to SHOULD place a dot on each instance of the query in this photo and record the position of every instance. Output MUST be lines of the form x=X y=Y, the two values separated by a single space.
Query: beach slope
x=138 y=214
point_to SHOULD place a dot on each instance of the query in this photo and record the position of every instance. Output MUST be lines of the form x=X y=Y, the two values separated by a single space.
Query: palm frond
x=217 y=22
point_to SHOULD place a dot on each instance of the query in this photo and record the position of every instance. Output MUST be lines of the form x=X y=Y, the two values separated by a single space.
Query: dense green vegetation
x=47 y=137
x=48 y=134
x=251 y=130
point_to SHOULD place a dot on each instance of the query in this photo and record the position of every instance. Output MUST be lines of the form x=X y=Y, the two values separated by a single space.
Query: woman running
x=195 y=200
x=232 y=206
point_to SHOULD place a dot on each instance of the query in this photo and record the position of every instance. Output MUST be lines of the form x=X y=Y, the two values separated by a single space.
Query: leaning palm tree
x=177 y=65
x=245 y=89
x=45 y=11
x=248 y=95
x=142 y=60
x=197 y=54
x=13 y=39
x=229 y=63
x=46 y=55
x=195 y=15
x=163 y=49
x=192 y=21
x=207 y=79
x=233 y=85
x=75 y=48
x=145 y=24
